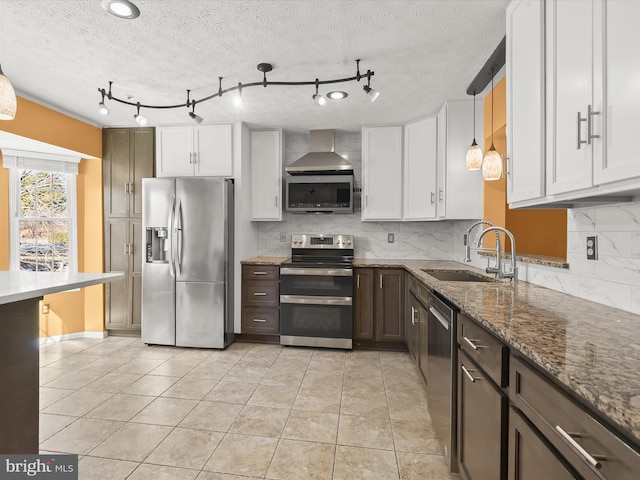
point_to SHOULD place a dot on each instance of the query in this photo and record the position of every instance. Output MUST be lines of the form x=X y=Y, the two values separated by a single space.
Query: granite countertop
x=16 y=286
x=265 y=261
x=591 y=349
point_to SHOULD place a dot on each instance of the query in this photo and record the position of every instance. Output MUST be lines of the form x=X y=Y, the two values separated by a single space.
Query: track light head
x=140 y=119
x=320 y=100
x=195 y=117
x=102 y=108
x=237 y=99
x=372 y=93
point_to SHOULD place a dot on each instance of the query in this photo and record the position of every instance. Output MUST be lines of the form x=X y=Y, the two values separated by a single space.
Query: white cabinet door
x=463 y=188
x=174 y=151
x=441 y=164
x=213 y=148
x=266 y=175
x=617 y=77
x=569 y=93
x=382 y=173
x=420 y=158
x=525 y=100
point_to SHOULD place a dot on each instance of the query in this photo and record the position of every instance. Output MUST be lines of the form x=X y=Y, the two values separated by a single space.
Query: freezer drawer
x=200 y=314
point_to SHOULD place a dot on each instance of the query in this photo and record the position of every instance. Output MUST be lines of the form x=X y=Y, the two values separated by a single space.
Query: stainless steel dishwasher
x=442 y=375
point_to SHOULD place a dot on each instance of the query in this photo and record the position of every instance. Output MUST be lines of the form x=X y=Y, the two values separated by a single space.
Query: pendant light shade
x=492 y=165
x=474 y=154
x=8 y=103
x=492 y=162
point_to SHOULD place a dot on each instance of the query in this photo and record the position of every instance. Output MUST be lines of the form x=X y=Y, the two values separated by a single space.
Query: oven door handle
x=312 y=300
x=332 y=272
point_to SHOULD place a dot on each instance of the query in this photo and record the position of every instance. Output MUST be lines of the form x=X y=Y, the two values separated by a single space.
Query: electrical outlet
x=390 y=238
x=283 y=237
x=592 y=248
x=45 y=308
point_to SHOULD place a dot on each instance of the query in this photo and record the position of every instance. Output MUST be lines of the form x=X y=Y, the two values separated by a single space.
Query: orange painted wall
x=82 y=310
x=540 y=232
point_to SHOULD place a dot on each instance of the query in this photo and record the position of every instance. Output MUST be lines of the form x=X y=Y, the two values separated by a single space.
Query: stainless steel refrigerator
x=187 y=274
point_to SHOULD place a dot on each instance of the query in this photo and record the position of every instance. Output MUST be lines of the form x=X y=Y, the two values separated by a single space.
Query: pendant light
x=8 y=103
x=474 y=154
x=492 y=163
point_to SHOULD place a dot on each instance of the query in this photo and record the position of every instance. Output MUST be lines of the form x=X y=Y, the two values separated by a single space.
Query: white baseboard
x=71 y=336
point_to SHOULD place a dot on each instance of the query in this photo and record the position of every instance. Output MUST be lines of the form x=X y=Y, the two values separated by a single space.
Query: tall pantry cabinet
x=127 y=158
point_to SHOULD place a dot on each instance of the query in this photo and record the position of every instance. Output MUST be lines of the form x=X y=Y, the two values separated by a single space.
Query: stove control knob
x=348 y=242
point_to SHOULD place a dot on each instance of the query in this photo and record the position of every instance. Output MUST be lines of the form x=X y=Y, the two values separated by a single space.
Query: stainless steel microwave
x=319 y=194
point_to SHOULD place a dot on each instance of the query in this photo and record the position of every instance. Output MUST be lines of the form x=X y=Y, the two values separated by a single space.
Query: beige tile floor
x=138 y=412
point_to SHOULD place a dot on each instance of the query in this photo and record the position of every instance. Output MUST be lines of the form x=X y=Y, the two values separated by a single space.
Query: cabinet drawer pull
x=468 y=374
x=259 y=294
x=260 y=320
x=568 y=438
x=413 y=316
x=259 y=273
x=471 y=344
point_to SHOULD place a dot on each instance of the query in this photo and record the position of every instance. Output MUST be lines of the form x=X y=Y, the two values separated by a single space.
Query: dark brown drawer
x=570 y=427
x=261 y=293
x=484 y=349
x=261 y=321
x=419 y=290
x=260 y=272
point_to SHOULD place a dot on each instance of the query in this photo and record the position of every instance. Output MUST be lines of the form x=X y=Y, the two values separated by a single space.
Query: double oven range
x=316 y=292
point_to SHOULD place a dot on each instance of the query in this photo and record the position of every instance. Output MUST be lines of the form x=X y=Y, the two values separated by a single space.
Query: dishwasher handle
x=444 y=321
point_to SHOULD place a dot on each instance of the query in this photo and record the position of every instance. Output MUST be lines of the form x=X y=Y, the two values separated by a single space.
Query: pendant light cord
x=474 y=116
x=492 y=95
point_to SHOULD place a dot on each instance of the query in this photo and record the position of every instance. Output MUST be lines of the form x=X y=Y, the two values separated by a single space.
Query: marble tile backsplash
x=613 y=279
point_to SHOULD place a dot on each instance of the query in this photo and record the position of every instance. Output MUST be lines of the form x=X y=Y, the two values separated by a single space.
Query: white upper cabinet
x=592 y=95
x=420 y=160
x=525 y=100
x=570 y=104
x=616 y=90
x=201 y=151
x=382 y=173
x=266 y=175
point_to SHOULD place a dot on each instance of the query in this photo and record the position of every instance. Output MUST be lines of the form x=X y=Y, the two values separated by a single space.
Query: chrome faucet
x=498 y=270
x=467 y=239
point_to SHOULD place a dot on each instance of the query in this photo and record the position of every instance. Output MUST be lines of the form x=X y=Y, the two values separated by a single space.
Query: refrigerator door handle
x=179 y=239
x=172 y=212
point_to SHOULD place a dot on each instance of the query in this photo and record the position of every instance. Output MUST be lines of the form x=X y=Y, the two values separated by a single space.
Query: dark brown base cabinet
x=530 y=456
x=260 y=300
x=379 y=300
x=482 y=422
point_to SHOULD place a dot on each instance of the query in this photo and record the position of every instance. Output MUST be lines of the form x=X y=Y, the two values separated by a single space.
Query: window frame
x=48 y=163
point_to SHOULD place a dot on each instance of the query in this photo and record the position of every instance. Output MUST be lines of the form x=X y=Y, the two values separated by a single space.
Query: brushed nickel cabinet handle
x=259 y=294
x=433 y=198
x=380 y=281
x=471 y=344
x=260 y=273
x=358 y=281
x=568 y=438
x=440 y=194
x=260 y=320
x=468 y=374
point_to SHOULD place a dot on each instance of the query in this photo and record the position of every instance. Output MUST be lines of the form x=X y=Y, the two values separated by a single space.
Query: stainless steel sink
x=458 y=276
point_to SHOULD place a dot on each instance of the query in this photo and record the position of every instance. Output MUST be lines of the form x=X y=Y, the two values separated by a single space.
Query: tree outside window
x=43 y=221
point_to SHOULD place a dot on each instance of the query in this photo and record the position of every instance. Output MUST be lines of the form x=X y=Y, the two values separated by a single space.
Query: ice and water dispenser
x=157 y=244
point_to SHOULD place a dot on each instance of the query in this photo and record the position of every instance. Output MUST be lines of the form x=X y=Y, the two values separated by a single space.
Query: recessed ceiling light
x=337 y=95
x=121 y=8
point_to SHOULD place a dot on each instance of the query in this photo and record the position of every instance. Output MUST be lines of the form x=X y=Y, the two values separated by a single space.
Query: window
x=43 y=224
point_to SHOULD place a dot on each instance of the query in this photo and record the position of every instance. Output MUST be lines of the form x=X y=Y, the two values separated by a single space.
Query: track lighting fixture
x=371 y=92
x=121 y=8
x=102 y=108
x=237 y=100
x=8 y=102
x=474 y=154
x=492 y=162
x=140 y=119
x=320 y=100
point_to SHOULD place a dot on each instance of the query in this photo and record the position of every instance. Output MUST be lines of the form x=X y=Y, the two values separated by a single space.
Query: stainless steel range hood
x=321 y=158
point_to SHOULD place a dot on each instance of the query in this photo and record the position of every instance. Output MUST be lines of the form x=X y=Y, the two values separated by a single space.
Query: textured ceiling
x=423 y=52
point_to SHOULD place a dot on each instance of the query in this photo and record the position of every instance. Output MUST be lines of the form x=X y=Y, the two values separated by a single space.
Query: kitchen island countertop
x=16 y=286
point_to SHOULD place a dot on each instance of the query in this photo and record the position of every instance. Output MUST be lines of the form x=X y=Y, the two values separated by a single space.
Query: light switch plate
x=592 y=247
x=283 y=237
x=390 y=238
